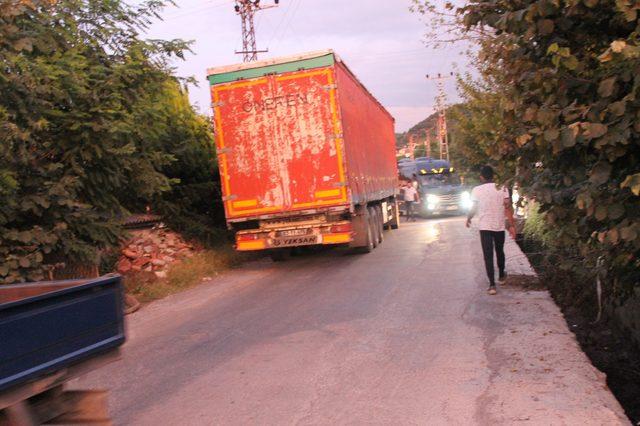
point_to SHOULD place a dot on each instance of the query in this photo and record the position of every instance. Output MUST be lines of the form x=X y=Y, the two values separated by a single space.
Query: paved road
x=404 y=335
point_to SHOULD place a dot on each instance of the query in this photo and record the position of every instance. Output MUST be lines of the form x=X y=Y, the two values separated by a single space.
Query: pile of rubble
x=153 y=250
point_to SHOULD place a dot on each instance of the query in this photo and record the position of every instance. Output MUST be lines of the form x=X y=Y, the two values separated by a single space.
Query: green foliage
x=560 y=85
x=80 y=141
x=536 y=229
x=145 y=286
x=193 y=206
x=401 y=140
x=419 y=133
x=476 y=127
x=420 y=151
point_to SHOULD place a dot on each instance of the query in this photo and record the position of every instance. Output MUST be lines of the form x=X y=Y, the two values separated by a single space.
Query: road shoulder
x=538 y=372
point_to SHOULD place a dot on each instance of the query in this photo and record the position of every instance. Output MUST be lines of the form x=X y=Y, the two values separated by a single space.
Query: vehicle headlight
x=432 y=199
x=465 y=200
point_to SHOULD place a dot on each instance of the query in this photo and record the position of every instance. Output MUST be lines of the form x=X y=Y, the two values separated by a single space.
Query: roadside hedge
x=559 y=81
x=83 y=139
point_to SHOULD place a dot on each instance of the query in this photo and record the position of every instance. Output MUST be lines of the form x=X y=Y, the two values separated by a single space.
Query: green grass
x=145 y=286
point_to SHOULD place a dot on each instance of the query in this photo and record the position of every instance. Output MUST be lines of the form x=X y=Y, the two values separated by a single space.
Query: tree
x=75 y=127
x=562 y=80
x=193 y=205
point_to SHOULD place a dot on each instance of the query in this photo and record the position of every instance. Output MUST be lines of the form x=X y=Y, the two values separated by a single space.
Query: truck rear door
x=279 y=143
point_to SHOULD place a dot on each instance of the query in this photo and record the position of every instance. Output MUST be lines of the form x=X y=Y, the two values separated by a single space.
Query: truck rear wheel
x=363 y=237
x=369 y=245
x=373 y=225
x=394 y=223
x=380 y=223
x=373 y=214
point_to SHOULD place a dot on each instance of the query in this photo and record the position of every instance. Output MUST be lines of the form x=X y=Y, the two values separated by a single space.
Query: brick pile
x=153 y=250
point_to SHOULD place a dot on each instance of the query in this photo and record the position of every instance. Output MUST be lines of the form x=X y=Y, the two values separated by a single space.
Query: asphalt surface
x=403 y=335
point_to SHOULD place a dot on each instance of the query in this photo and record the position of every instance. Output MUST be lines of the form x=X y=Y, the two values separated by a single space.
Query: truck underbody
x=360 y=227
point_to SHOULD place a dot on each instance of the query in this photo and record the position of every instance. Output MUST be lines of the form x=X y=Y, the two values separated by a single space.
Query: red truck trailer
x=306 y=154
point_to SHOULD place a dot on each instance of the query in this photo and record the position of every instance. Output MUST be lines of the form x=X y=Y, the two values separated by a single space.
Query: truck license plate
x=292 y=232
x=452 y=208
x=296 y=241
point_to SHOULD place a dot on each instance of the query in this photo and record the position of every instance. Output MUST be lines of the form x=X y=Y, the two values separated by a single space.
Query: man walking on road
x=410 y=196
x=493 y=206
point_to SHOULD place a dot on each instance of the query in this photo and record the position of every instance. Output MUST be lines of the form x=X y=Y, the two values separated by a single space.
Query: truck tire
x=394 y=223
x=391 y=215
x=361 y=222
x=380 y=223
x=369 y=242
x=373 y=223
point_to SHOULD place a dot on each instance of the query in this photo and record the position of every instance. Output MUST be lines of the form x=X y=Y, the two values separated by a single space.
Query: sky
x=381 y=41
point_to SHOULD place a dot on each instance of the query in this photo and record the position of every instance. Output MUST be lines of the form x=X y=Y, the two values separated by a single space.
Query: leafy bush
x=81 y=140
x=536 y=229
x=193 y=205
x=560 y=85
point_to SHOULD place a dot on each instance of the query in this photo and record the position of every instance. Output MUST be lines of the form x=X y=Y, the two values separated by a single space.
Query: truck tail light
x=248 y=237
x=247 y=242
x=341 y=228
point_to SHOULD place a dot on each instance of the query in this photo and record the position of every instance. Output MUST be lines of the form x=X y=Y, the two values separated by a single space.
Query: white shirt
x=489 y=201
x=410 y=193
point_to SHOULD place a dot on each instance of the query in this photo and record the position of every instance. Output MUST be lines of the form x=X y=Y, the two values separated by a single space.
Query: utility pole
x=441 y=107
x=412 y=146
x=247 y=9
x=427 y=142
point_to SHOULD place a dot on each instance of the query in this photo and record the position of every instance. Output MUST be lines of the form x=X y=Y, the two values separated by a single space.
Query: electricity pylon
x=441 y=107
x=427 y=142
x=247 y=9
x=412 y=146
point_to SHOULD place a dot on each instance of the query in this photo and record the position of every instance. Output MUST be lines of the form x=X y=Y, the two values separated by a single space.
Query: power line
x=412 y=54
x=247 y=9
x=293 y=15
x=284 y=16
x=287 y=20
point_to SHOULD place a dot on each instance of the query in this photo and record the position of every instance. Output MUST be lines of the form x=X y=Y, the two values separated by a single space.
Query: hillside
x=418 y=131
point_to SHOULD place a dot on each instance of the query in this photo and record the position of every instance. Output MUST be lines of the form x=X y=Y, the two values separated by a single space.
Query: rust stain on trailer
x=280 y=142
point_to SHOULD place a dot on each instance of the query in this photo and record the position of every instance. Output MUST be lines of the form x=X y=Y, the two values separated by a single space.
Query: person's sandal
x=492 y=290
x=502 y=278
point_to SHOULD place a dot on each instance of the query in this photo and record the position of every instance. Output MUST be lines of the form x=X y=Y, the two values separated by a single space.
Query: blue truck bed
x=48 y=326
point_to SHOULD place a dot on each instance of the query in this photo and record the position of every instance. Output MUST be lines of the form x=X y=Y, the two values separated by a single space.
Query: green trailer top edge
x=303 y=64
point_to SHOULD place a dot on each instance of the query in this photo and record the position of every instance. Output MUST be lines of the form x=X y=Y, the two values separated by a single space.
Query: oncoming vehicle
x=407 y=168
x=441 y=189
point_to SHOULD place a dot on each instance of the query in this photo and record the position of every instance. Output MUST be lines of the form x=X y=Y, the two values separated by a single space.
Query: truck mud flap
x=362 y=235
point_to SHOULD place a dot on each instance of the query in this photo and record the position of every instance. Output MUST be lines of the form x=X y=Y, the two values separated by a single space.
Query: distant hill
x=418 y=131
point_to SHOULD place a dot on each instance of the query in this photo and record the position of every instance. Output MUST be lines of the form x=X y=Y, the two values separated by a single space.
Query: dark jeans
x=489 y=240
x=408 y=206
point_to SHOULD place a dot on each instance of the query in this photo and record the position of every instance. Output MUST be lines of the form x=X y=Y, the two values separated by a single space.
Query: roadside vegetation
x=554 y=106
x=93 y=126
x=206 y=264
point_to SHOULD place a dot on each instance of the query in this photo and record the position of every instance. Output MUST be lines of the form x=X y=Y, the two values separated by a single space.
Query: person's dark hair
x=487 y=173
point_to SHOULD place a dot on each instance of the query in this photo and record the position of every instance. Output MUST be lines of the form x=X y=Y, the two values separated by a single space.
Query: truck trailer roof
x=298 y=62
